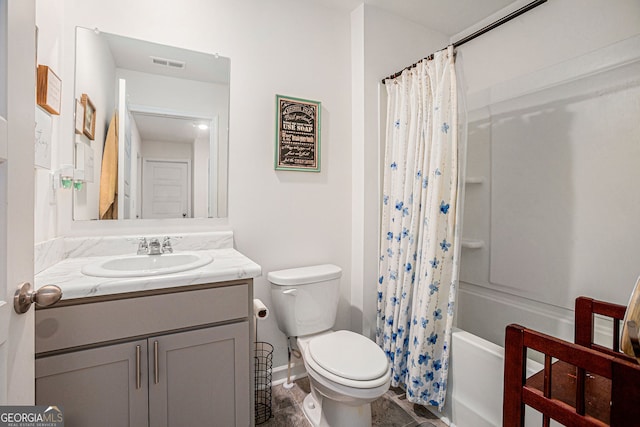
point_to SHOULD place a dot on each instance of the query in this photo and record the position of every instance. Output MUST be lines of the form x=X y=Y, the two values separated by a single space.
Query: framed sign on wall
x=89 y=121
x=49 y=90
x=297 y=134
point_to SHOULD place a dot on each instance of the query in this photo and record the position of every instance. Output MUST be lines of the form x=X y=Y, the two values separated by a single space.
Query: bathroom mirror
x=160 y=143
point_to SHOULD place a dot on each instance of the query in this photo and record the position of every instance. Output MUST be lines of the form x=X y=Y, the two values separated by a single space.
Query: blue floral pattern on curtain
x=419 y=244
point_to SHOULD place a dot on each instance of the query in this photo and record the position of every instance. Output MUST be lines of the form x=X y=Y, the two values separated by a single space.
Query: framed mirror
x=160 y=141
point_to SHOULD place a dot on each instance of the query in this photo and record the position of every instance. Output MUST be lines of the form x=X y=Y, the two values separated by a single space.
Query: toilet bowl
x=347 y=371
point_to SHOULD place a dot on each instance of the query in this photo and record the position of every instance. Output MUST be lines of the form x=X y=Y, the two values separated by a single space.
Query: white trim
x=5 y=313
x=4 y=140
x=279 y=373
x=121 y=141
x=212 y=205
x=4 y=320
x=166 y=112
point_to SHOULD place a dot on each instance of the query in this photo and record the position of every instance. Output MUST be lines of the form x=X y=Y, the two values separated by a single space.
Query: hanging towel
x=632 y=314
x=109 y=173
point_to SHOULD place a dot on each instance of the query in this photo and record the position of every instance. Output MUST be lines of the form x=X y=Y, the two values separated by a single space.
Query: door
x=17 y=118
x=200 y=378
x=106 y=386
x=166 y=189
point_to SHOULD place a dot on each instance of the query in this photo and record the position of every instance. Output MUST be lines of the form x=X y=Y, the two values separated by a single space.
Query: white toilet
x=347 y=371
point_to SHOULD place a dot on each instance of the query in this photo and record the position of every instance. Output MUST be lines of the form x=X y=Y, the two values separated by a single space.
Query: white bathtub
x=474 y=393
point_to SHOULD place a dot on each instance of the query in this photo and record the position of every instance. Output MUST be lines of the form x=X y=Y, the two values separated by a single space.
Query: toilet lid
x=349 y=355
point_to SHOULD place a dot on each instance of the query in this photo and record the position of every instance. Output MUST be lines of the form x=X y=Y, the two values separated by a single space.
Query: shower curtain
x=419 y=247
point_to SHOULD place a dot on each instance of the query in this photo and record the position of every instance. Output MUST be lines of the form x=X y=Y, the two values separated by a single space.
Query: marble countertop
x=227 y=264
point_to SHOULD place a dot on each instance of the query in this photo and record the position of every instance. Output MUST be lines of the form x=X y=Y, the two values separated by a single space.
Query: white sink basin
x=146 y=265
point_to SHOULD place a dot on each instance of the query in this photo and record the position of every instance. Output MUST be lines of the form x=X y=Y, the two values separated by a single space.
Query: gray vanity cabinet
x=95 y=387
x=159 y=360
x=196 y=380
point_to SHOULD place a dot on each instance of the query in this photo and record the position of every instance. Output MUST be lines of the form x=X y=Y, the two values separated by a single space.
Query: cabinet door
x=106 y=386
x=203 y=378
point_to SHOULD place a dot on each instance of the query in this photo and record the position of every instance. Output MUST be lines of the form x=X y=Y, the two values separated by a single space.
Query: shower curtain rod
x=478 y=33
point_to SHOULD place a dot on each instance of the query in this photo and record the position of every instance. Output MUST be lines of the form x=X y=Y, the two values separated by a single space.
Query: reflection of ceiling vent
x=170 y=63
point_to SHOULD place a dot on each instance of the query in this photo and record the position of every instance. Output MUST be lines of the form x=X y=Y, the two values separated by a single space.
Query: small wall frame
x=79 y=117
x=49 y=90
x=297 y=134
x=89 y=120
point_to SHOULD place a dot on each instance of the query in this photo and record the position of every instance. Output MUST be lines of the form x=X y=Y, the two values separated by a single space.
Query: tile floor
x=391 y=410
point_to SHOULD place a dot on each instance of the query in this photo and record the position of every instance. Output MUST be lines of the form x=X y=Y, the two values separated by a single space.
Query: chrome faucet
x=154 y=247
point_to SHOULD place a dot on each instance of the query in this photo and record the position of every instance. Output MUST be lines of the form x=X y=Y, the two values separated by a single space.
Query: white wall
x=178 y=95
x=166 y=150
x=551 y=204
x=280 y=219
x=95 y=76
x=382 y=44
x=49 y=19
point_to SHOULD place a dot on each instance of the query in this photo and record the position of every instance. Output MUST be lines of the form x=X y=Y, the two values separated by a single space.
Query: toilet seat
x=348 y=359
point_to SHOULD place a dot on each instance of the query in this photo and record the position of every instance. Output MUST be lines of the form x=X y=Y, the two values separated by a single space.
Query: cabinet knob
x=43 y=297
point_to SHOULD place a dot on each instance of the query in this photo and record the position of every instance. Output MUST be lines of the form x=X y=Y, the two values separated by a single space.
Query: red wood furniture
x=582 y=384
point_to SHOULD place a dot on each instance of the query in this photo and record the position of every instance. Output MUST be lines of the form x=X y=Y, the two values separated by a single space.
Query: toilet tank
x=305 y=300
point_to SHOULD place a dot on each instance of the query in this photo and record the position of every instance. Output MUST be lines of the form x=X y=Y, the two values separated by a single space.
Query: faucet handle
x=166 y=245
x=143 y=246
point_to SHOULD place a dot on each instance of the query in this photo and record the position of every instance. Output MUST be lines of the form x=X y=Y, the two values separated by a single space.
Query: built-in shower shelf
x=474 y=180
x=472 y=244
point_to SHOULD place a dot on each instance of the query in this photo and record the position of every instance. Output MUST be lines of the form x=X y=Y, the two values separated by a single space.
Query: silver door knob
x=43 y=297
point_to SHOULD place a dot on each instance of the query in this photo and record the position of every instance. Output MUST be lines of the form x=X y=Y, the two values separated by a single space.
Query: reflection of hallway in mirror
x=164 y=112
x=182 y=140
x=166 y=185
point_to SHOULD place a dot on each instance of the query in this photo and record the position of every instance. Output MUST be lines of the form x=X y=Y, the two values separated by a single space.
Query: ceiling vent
x=169 y=63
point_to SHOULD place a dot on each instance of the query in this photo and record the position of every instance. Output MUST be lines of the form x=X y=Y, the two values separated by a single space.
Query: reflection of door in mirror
x=167 y=185
x=158 y=91
x=165 y=141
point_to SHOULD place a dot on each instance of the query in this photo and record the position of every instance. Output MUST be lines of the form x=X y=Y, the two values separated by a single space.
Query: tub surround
x=60 y=262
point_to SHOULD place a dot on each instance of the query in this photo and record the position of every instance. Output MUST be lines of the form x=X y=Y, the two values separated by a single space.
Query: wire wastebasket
x=263 y=367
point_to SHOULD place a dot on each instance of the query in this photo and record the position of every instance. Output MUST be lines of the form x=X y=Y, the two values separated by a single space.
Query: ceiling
x=138 y=55
x=449 y=17
x=171 y=129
